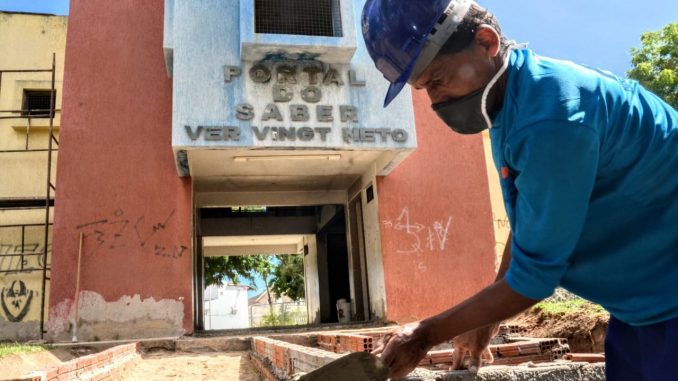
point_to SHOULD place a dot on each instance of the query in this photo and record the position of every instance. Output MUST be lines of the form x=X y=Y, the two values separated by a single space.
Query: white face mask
x=469 y=114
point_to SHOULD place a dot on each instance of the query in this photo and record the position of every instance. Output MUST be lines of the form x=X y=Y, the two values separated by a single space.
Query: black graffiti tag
x=110 y=234
x=19 y=299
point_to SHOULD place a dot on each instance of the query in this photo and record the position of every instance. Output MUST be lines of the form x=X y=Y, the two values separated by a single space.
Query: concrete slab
x=557 y=371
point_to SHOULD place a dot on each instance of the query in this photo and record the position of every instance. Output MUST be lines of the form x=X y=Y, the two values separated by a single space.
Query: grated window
x=36 y=103
x=299 y=17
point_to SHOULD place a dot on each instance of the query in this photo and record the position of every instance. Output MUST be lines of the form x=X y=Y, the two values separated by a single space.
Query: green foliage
x=283 y=318
x=285 y=276
x=8 y=349
x=248 y=267
x=288 y=277
x=655 y=64
x=577 y=305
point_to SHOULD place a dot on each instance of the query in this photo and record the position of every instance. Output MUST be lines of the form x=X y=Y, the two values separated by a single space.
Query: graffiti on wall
x=16 y=258
x=15 y=301
x=420 y=237
x=502 y=228
x=120 y=231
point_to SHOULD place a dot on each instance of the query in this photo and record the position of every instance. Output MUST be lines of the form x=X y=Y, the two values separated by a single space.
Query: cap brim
x=397 y=86
x=393 y=91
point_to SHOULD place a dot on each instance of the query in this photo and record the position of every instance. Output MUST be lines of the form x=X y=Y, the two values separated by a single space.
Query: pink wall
x=117 y=181
x=436 y=231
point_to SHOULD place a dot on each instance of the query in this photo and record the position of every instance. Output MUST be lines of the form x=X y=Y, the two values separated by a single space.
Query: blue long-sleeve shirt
x=589 y=170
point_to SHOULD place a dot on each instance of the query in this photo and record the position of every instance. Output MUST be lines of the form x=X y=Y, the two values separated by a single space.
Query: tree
x=288 y=277
x=248 y=267
x=655 y=64
x=284 y=276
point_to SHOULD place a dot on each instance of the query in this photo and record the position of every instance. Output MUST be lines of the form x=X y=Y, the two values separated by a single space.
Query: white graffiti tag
x=430 y=237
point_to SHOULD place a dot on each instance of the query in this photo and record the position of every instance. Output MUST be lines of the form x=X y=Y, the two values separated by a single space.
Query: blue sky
x=594 y=32
x=57 y=7
x=598 y=33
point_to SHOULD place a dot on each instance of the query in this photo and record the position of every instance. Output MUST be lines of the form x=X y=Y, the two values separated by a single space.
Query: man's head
x=451 y=49
x=467 y=61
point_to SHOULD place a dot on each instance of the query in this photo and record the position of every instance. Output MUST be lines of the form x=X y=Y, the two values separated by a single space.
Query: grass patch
x=569 y=307
x=8 y=349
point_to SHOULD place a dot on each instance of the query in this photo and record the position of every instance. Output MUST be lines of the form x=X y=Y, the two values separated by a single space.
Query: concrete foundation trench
x=279 y=357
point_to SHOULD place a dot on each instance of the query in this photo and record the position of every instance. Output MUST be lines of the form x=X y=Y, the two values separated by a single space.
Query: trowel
x=357 y=366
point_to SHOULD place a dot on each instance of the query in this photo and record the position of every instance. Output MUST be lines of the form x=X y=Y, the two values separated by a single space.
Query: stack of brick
x=521 y=351
x=344 y=343
x=354 y=343
x=111 y=364
x=327 y=342
x=284 y=359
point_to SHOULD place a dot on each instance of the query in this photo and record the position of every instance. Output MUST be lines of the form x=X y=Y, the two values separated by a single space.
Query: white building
x=226 y=307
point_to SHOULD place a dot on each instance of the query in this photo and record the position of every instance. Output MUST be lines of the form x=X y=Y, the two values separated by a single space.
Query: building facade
x=214 y=128
x=27 y=45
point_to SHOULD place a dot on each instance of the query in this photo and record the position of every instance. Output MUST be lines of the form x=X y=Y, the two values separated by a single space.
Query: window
x=298 y=17
x=36 y=103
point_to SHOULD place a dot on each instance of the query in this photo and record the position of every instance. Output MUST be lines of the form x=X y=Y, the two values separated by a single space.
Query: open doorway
x=254 y=281
x=314 y=240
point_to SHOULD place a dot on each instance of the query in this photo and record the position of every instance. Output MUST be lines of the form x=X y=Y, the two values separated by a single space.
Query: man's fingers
x=382 y=344
x=387 y=356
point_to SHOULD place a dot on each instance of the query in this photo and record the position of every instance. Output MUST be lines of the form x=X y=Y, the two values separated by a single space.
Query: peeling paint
x=128 y=317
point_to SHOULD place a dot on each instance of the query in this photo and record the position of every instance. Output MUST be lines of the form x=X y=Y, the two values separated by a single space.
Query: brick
x=67 y=367
x=51 y=373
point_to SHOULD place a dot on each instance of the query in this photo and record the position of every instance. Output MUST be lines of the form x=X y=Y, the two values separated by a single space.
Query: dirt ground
x=164 y=365
x=585 y=330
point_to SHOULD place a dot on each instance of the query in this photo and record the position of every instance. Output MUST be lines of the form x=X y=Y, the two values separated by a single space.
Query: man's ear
x=489 y=39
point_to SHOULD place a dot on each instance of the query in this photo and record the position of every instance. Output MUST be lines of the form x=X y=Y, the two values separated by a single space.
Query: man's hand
x=403 y=349
x=475 y=343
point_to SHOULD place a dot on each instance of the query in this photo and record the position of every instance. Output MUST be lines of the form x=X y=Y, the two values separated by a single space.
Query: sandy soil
x=164 y=365
x=584 y=331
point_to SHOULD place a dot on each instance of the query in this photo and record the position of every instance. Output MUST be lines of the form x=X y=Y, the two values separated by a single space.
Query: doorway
x=317 y=234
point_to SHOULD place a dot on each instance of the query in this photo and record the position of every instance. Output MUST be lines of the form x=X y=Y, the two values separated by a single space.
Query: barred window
x=298 y=17
x=36 y=103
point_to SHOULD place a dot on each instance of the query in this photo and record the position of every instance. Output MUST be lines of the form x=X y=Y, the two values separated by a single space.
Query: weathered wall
x=21 y=276
x=502 y=228
x=27 y=41
x=436 y=221
x=117 y=181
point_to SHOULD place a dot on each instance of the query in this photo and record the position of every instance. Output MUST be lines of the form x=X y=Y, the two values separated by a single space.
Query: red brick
x=67 y=367
x=51 y=373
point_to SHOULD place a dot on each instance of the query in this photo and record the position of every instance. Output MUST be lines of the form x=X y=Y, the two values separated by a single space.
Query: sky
x=57 y=7
x=597 y=33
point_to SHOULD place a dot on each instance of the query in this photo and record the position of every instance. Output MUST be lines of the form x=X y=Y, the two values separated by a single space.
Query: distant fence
x=278 y=314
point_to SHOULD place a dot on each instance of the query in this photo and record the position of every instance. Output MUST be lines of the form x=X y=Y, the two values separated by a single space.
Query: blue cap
x=397 y=31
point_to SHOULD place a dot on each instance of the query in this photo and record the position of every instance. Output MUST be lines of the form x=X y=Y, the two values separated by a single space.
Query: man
x=589 y=172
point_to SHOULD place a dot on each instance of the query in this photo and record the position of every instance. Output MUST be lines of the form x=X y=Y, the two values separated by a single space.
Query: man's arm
x=409 y=344
x=478 y=311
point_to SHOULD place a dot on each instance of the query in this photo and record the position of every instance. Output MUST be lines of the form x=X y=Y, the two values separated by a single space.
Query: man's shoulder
x=544 y=88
